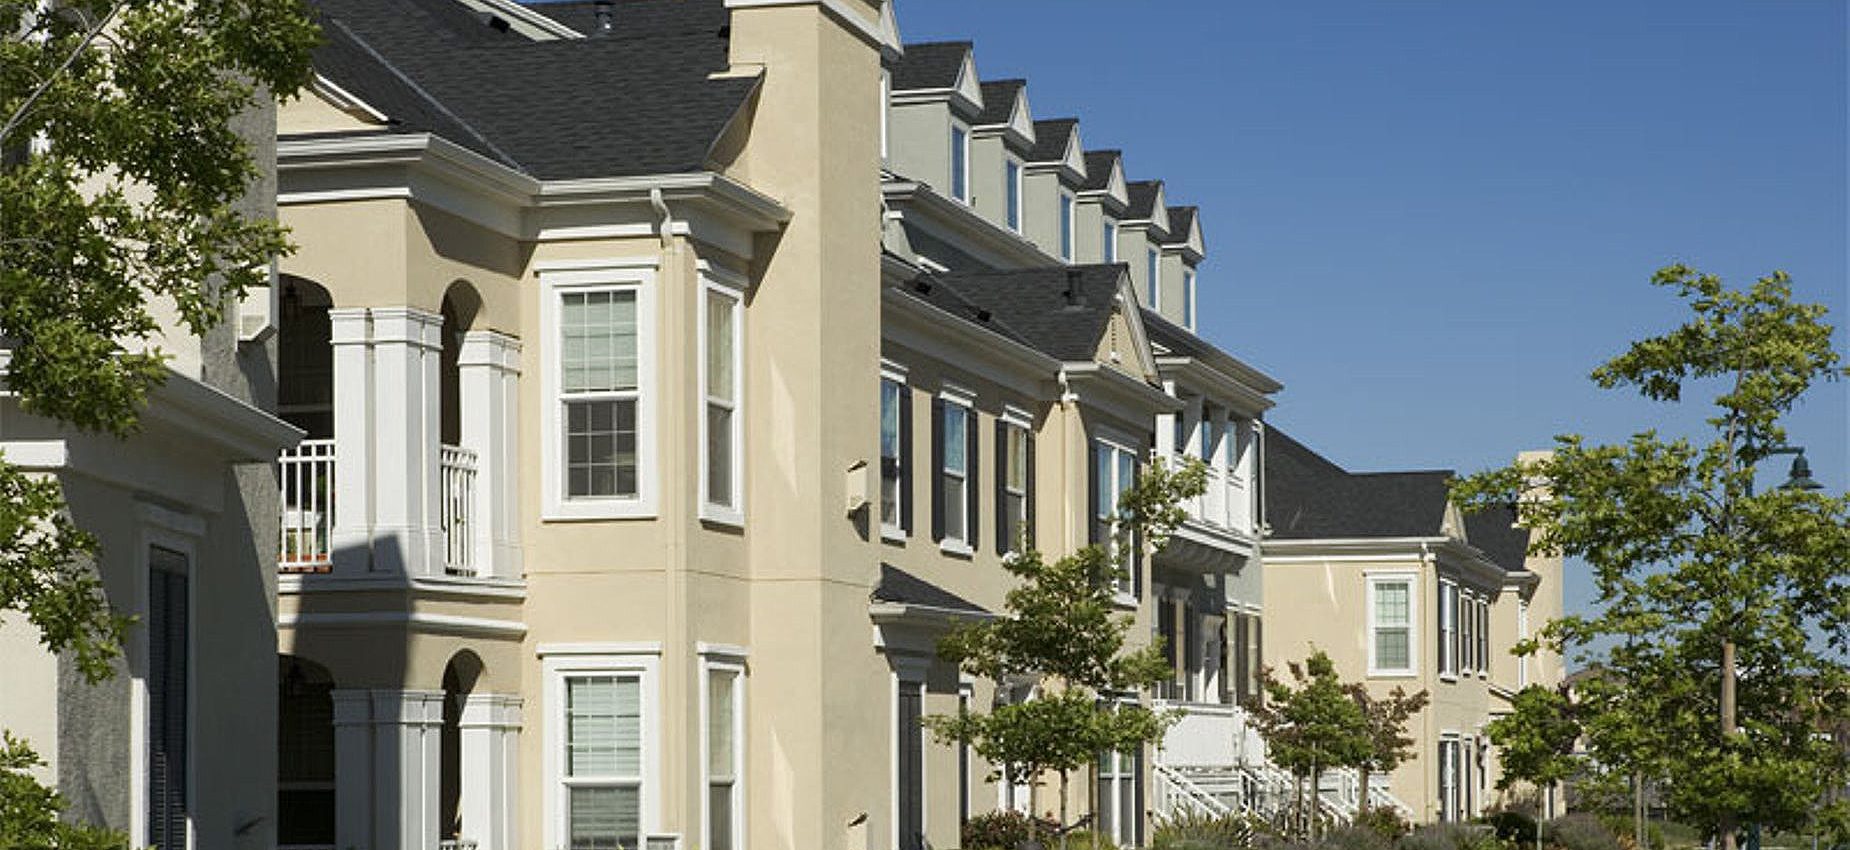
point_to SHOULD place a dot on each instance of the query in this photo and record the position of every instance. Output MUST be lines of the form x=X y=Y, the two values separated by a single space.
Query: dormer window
x=1188 y=300
x=1156 y=289
x=1013 y=188
x=1110 y=252
x=1066 y=226
x=960 y=163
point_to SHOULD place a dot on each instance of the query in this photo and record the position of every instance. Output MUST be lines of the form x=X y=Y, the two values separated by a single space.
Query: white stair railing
x=458 y=509
x=1179 y=792
x=305 y=483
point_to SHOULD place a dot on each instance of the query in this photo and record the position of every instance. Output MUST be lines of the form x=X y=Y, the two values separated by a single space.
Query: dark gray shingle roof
x=1098 y=169
x=1060 y=311
x=1143 y=197
x=641 y=18
x=1050 y=138
x=999 y=100
x=1494 y=531
x=1308 y=497
x=636 y=102
x=930 y=65
x=897 y=585
x=1180 y=218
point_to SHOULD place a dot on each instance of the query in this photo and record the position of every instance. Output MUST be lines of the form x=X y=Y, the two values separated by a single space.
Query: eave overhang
x=930 y=330
x=1093 y=381
x=1464 y=558
x=961 y=225
x=1248 y=395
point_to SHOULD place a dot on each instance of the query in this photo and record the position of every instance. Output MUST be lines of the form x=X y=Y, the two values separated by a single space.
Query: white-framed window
x=1448 y=628
x=1390 y=624
x=1188 y=299
x=1483 y=637
x=602 y=750
x=1451 y=761
x=723 y=745
x=1522 y=633
x=1114 y=471
x=1012 y=188
x=956 y=458
x=598 y=323
x=1120 y=796
x=1109 y=251
x=895 y=453
x=1153 y=274
x=1013 y=477
x=1467 y=633
x=722 y=341
x=886 y=110
x=960 y=163
x=1066 y=226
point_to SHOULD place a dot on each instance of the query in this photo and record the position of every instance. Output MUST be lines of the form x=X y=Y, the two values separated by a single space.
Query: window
x=305 y=756
x=1188 y=300
x=1467 y=633
x=1390 y=608
x=601 y=751
x=1114 y=471
x=1066 y=227
x=1448 y=629
x=725 y=757
x=1014 y=484
x=168 y=674
x=597 y=436
x=1450 y=761
x=1483 y=637
x=1154 y=282
x=909 y=763
x=960 y=164
x=1247 y=655
x=1210 y=435
x=1110 y=249
x=966 y=694
x=955 y=453
x=895 y=457
x=1012 y=179
x=722 y=334
x=1120 y=796
x=1522 y=633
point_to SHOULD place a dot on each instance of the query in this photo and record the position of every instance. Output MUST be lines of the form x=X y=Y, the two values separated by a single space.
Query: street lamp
x=1799 y=478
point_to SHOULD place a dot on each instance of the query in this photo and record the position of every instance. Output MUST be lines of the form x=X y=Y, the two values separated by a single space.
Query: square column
x=490 y=728
x=386 y=768
x=353 y=774
x=488 y=369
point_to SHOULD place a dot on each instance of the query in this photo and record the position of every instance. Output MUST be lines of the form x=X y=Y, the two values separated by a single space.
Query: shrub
x=1357 y=836
x=1199 y=831
x=1450 y=836
x=1079 y=839
x=1513 y=826
x=1383 y=821
x=1579 y=832
x=1004 y=830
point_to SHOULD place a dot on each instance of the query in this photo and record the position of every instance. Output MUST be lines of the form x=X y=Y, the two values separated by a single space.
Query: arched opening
x=457 y=462
x=459 y=678
x=304 y=755
x=461 y=303
x=305 y=358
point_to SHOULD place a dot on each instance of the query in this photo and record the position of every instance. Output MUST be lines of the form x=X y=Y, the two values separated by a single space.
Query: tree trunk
x=1361 y=794
x=1064 y=827
x=1638 y=810
x=1034 y=808
x=1726 y=827
x=1316 y=800
x=1297 y=809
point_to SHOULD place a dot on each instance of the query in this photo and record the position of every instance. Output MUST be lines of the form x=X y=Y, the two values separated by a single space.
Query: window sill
x=1448 y=677
x=893 y=534
x=729 y=518
x=955 y=548
x=1391 y=674
x=1123 y=599
x=593 y=510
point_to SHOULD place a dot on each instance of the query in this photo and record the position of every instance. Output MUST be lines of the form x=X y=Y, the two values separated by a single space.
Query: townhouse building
x=1402 y=590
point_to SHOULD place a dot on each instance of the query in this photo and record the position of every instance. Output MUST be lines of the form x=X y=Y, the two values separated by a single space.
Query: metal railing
x=305 y=479
x=458 y=509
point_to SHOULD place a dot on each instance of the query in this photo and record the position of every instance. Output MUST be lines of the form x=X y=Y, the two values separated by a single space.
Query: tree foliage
x=29 y=812
x=1316 y=725
x=1385 y=723
x=1064 y=628
x=1687 y=557
x=1535 y=741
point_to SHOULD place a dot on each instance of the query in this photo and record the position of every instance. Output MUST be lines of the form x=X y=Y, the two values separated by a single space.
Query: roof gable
x=1126 y=344
x=1185 y=230
x=1057 y=145
x=1105 y=176
x=1005 y=109
x=1148 y=203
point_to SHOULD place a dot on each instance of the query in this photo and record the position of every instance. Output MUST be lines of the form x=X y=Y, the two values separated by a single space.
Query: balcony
x=1218 y=536
x=306 y=485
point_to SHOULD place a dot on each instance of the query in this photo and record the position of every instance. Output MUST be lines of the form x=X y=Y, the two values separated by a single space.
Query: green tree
x=1385 y=719
x=121 y=168
x=1735 y=602
x=1313 y=727
x=1063 y=627
x=1535 y=741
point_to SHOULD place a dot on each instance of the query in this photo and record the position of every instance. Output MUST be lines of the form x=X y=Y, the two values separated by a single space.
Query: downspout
x=1068 y=403
x=661 y=208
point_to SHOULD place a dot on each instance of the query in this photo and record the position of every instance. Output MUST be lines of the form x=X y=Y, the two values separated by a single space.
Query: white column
x=353 y=762
x=351 y=538
x=490 y=736
x=407 y=523
x=1166 y=427
x=489 y=371
x=407 y=753
x=1223 y=447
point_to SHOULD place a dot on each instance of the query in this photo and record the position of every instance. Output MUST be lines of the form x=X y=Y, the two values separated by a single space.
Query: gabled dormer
x=1103 y=198
x=1001 y=140
x=935 y=100
x=1056 y=170
x=1141 y=235
x=1182 y=253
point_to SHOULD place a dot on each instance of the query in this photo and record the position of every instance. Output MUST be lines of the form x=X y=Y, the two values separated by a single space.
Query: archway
x=459 y=678
x=461 y=305
x=305 y=800
x=305 y=358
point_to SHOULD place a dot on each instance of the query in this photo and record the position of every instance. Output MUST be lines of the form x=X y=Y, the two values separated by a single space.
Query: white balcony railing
x=458 y=509
x=306 y=482
x=1226 y=503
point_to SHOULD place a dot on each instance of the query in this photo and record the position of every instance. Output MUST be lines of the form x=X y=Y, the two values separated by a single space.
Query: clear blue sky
x=1430 y=220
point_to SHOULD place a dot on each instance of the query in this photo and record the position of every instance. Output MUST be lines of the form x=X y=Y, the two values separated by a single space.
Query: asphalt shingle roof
x=1143 y=197
x=637 y=101
x=641 y=18
x=999 y=100
x=1050 y=139
x=930 y=65
x=1180 y=218
x=1494 y=531
x=1098 y=169
x=897 y=585
x=1308 y=497
x=1060 y=311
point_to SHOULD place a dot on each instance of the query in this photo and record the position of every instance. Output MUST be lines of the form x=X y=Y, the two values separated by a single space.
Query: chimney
x=1073 y=297
x=606 y=17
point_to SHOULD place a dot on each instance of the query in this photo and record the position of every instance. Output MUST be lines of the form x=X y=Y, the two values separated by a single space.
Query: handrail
x=1194 y=794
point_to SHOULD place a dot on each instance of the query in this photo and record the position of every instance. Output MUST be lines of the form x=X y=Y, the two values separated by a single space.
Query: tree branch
x=13 y=121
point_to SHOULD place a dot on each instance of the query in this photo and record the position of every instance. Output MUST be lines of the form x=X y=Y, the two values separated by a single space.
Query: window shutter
x=1136 y=538
x=973 y=489
x=167 y=677
x=1028 y=511
x=1002 y=477
x=936 y=474
x=1092 y=487
x=905 y=459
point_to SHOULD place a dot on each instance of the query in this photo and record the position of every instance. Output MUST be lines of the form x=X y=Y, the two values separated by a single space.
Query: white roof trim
x=1159 y=210
x=969 y=87
x=344 y=100
x=1021 y=121
x=525 y=21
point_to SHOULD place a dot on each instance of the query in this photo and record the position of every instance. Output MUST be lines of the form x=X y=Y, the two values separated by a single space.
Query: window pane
x=603 y=726
x=720 y=316
x=889 y=419
x=599 y=341
x=955 y=438
x=1101 y=472
x=719 y=816
x=889 y=494
x=958 y=150
x=719 y=455
x=954 y=509
x=1018 y=459
x=1391 y=648
x=1127 y=471
x=1391 y=604
x=1013 y=178
x=1111 y=241
x=1066 y=226
x=605 y=818
x=600 y=445
x=719 y=725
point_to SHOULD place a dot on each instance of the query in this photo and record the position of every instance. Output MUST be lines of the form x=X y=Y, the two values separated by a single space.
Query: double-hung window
x=895 y=456
x=955 y=464
x=960 y=163
x=1448 y=628
x=1467 y=633
x=1109 y=251
x=1120 y=796
x=1153 y=275
x=1483 y=637
x=600 y=751
x=1114 y=471
x=1014 y=484
x=1066 y=226
x=1451 y=761
x=725 y=757
x=1012 y=188
x=1390 y=625
x=597 y=322
x=722 y=335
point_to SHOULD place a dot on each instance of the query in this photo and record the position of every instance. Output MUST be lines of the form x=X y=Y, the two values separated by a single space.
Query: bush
x=1358 y=836
x=1579 y=832
x=1513 y=826
x=1450 y=836
x=1198 y=831
x=1004 y=830
x=1383 y=821
x=1079 y=839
